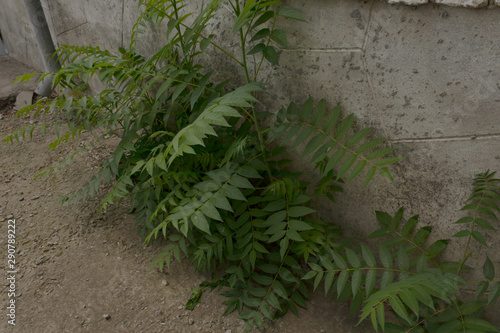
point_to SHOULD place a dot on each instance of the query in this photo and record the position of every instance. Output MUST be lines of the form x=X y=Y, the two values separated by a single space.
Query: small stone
x=164 y=282
x=106 y=316
x=10 y=216
x=191 y=321
x=35 y=197
x=41 y=261
x=228 y=331
x=24 y=98
x=21 y=199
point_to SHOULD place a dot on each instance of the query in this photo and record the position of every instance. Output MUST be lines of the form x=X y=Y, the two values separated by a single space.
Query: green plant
x=201 y=170
x=421 y=291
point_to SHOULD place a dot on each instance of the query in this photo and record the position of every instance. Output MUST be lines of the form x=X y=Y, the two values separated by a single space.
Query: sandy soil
x=82 y=271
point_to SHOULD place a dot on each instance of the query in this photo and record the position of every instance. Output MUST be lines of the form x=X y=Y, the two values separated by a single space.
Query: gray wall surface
x=426 y=77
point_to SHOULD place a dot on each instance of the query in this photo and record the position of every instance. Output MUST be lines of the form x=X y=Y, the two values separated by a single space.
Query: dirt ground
x=83 y=271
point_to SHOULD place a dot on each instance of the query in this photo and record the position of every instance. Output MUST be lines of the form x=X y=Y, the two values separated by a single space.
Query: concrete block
x=463 y=3
x=433 y=70
x=409 y=2
x=18 y=35
x=24 y=98
x=66 y=15
x=339 y=77
x=48 y=17
x=331 y=25
x=102 y=27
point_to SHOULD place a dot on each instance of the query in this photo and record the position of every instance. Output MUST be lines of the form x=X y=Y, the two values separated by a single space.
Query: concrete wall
x=17 y=34
x=426 y=77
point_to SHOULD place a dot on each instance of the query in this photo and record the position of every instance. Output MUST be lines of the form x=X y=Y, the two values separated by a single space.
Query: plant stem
x=181 y=36
x=267 y=44
x=462 y=262
x=261 y=143
x=243 y=54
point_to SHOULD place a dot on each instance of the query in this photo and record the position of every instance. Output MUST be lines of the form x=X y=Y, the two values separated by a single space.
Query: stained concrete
x=435 y=75
x=17 y=34
x=338 y=77
x=98 y=23
x=331 y=27
x=66 y=15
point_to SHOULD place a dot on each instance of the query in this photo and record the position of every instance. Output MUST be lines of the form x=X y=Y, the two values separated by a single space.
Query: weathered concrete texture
x=11 y=70
x=434 y=181
x=97 y=23
x=338 y=77
x=435 y=71
x=463 y=3
x=67 y=15
x=50 y=22
x=222 y=29
x=151 y=40
x=18 y=35
x=325 y=23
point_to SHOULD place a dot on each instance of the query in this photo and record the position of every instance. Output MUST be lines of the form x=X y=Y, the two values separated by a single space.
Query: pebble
x=164 y=282
x=106 y=316
x=41 y=261
x=228 y=331
x=35 y=197
x=191 y=321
